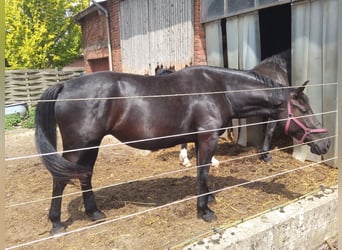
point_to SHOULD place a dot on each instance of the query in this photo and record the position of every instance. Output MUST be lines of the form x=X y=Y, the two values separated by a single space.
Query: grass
x=16 y=120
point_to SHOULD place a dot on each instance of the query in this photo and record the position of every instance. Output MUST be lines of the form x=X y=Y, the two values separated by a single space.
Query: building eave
x=86 y=12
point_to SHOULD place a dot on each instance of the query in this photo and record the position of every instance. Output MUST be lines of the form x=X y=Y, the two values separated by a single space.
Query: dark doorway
x=275 y=29
x=224 y=43
x=99 y=64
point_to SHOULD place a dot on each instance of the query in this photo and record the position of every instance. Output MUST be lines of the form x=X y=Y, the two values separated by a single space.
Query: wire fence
x=170 y=173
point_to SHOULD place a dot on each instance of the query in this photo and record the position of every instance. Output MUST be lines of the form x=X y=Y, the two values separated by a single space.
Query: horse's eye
x=304 y=110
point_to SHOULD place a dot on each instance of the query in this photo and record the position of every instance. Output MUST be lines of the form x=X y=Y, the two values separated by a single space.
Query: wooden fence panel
x=28 y=85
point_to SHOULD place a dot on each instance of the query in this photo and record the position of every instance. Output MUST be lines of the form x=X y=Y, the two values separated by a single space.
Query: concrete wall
x=305 y=224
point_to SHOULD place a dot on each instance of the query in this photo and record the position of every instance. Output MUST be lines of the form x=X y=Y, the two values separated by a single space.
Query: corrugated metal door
x=314 y=58
x=156 y=32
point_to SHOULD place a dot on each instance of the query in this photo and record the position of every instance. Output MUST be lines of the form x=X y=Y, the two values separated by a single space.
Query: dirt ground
x=129 y=181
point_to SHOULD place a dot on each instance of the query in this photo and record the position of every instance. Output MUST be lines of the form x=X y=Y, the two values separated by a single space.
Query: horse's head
x=301 y=124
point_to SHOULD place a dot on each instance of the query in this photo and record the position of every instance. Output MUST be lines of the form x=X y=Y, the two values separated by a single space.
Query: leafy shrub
x=29 y=122
x=12 y=121
x=15 y=120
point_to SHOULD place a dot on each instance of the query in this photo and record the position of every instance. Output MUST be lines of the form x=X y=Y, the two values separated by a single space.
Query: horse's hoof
x=215 y=164
x=59 y=229
x=96 y=215
x=207 y=215
x=187 y=164
x=266 y=157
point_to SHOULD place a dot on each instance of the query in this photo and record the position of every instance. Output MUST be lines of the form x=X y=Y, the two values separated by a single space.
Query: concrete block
x=304 y=224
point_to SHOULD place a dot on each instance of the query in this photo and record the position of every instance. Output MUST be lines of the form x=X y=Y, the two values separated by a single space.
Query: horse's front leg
x=205 y=149
x=55 y=207
x=270 y=128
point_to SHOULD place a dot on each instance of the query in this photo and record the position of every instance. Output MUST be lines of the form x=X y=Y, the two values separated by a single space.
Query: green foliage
x=40 y=35
x=12 y=120
x=29 y=121
x=15 y=120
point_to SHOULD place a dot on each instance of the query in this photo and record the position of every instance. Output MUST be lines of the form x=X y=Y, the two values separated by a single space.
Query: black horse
x=142 y=111
x=276 y=67
x=183 y=155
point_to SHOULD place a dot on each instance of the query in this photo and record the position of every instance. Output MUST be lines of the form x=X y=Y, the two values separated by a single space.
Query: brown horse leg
x=55 y=208
x=205 y=148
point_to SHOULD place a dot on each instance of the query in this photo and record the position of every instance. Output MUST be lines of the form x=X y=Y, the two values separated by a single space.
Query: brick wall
x=200 y=57
x=95 y=43
x=114 y=14
x=94 y=31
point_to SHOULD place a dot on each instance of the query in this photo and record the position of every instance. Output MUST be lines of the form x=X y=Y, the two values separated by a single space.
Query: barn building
x=142 y=35
x=138 y=35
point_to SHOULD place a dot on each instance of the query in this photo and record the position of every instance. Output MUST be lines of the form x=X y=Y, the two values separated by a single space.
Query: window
x=212 y=9
x=218 y=9
x=239 y=5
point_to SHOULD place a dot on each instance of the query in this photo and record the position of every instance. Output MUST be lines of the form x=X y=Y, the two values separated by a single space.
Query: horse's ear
x=301 y=88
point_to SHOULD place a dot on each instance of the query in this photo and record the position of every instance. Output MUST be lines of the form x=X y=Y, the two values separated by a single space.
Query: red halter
x=307 y=131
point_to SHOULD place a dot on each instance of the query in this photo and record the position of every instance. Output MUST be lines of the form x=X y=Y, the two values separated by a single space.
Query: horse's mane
x=268 y=82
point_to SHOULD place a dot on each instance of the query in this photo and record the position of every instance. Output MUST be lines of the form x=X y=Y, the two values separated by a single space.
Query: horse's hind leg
x=84 y=158
x=55 y=208
x=89 y=200
x=88 y=158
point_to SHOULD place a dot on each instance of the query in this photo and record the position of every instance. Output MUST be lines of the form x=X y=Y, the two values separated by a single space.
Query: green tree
x=39 y=33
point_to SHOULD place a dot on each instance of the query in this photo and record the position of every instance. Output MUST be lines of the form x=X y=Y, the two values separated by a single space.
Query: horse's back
x=134 y=107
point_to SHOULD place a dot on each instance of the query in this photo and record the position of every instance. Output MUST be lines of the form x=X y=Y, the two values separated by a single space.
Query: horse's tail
x=46 y=138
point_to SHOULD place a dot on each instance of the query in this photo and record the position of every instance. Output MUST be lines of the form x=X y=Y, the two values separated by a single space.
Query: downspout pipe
x=108 y=34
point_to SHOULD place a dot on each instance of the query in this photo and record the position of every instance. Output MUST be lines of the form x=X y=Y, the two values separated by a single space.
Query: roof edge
x=87 y=11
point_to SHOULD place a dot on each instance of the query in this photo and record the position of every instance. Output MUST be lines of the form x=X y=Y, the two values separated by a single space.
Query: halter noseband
x=307 y=130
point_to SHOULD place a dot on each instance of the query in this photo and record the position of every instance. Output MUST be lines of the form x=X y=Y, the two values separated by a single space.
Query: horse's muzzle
x=320 y=147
